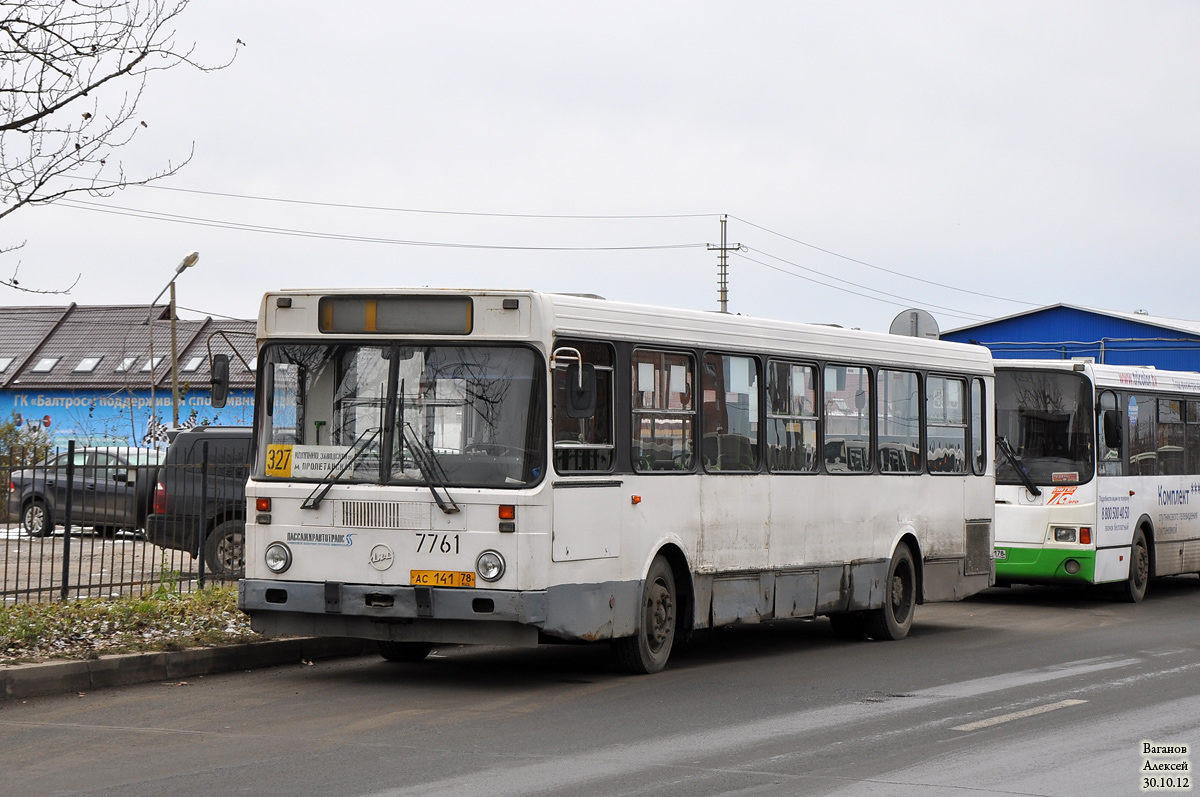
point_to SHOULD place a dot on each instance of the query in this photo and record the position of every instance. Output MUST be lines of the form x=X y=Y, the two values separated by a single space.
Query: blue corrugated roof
x=1063 y=331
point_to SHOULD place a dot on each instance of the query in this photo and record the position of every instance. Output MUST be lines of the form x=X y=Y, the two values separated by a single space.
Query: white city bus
x=509 y=467
x=1105 y=464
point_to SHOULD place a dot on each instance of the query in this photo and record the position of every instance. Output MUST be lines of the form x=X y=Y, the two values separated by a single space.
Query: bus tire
x=849 y=625
x=36 y=518
x=1139 y=569
x=648 y=650
x=893 y=619
x=404 y=651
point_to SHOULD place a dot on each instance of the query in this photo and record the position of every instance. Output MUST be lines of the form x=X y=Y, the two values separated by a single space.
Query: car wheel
x=225 y=549
x=36 y=518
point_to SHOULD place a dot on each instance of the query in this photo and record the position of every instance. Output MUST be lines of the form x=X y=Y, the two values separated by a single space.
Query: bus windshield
x=1046 y=416
x=446 y=416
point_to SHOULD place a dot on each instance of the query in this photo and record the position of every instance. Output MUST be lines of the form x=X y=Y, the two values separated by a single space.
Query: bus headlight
x=490 y=565
x=278 y=557
x=1064 y=534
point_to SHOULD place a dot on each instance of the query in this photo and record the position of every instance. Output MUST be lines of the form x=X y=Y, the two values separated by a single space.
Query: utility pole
x=723 y=266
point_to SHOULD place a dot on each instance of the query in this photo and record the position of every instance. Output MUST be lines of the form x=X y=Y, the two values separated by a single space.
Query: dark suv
x=180 y=509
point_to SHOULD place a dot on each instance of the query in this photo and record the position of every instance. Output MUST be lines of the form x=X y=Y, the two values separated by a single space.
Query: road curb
x=20 y=681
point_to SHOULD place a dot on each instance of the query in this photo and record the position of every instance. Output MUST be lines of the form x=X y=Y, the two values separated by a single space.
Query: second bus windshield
x=1047 y=418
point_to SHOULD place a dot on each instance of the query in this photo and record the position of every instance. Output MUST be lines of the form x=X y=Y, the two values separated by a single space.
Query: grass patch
x=89 y=627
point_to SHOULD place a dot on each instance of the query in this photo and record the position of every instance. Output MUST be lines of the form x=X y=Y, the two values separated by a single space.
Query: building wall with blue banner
x=122 y=418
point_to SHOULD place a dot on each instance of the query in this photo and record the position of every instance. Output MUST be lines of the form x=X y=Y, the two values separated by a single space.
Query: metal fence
x=103 y=522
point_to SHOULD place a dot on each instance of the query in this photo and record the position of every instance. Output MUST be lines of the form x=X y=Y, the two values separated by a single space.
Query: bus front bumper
x=439 y=615
x=1045 y=565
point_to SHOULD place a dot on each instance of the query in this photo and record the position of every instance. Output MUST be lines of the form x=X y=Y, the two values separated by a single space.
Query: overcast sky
x=972 y=159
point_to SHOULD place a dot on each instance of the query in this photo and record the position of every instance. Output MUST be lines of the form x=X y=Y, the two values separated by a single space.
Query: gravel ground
x=86 y=629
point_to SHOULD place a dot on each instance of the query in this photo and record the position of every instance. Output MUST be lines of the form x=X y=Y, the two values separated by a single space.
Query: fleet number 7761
x=437 y=543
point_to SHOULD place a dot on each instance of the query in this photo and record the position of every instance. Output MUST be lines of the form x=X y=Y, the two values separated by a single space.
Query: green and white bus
x=1097 y=474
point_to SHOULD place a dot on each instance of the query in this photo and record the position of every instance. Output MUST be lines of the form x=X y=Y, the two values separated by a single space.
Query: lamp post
x=188 y=261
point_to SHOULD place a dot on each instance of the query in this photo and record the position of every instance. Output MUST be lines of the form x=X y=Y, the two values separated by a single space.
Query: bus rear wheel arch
x=1134 y=588
x=894 y=618
x=659 y=613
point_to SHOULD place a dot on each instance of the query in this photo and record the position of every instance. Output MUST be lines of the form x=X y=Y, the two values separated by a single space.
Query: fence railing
x=102 y=522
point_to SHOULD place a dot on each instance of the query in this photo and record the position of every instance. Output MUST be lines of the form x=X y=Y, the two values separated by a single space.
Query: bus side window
x=847 y=397
x=791 y=418
x=978 y=428
x=1192 y=424
x=730 y=414
x=946 y=425
x=1171 y=438
x=1109 y=461
x=585 y=444
x=664 y=411
x=1143 y=435
x=898 y=422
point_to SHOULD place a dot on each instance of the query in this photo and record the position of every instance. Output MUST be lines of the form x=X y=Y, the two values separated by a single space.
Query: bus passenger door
x=587 y=503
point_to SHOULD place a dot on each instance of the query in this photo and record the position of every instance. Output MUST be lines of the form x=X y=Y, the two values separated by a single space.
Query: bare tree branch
x=15 y=284
x=72 y=73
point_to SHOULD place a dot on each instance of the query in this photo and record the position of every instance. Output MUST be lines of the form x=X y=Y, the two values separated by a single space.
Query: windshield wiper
x=348 y=458
x=431 y=469
x=1007 y=450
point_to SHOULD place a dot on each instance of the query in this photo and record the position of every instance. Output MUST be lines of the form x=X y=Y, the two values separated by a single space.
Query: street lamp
x=188 y=261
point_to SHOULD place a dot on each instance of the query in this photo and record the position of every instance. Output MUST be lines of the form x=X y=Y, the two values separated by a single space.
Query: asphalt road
x=1028 y=691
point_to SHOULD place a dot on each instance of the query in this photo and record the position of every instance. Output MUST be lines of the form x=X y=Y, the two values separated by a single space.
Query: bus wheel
x=849 y=625
x=405 y=651
x=648 y=650
x=1139 y=569
x=893 y=619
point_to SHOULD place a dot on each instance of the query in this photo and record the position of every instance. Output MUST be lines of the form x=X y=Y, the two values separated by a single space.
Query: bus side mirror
x=1112 y=428
x=220 y=380
x=581 y=390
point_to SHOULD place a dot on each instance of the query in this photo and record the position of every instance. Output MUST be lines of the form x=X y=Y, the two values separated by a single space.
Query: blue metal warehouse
x=1063 y=331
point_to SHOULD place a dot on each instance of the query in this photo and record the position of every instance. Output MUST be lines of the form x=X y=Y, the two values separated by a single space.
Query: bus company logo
x=1062 y=496
x=1174 y=497
x=319 y=538
x=1139 y=379
x=381 y=557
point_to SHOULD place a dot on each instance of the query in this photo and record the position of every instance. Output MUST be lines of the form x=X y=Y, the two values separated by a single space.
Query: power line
x=389 y=209
x=906 y=303
x=230 y=225
x=881 y=268
x=223 y=224
x=208 y=313
x=385 y=208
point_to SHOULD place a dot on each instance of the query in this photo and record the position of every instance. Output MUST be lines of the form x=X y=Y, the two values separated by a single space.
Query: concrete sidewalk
x=19 y=681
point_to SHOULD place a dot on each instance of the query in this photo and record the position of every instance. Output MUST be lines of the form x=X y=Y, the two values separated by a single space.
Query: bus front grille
x=384 y=515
